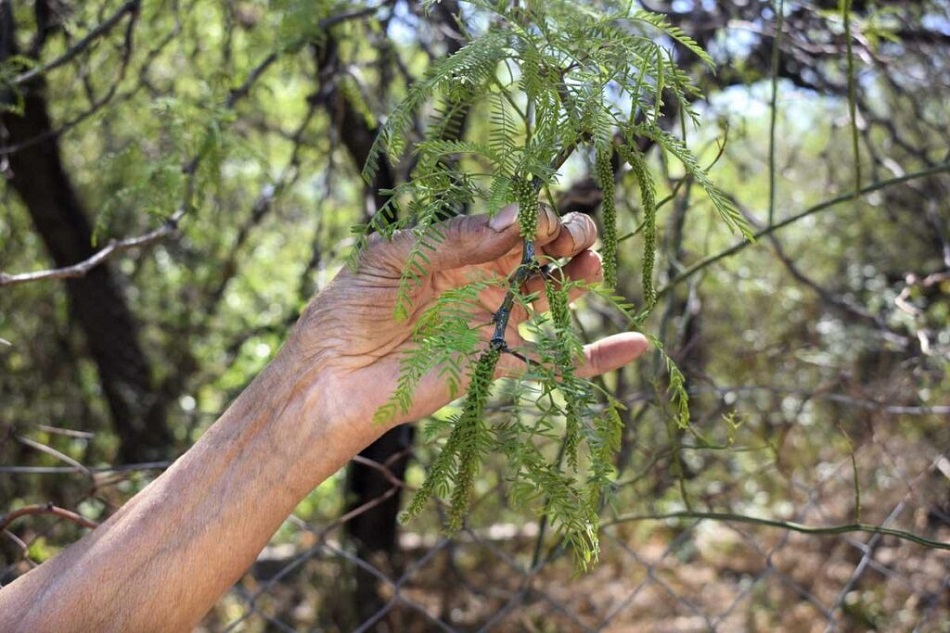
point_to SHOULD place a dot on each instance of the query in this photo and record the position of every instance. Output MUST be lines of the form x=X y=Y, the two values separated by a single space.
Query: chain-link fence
x=792 y=540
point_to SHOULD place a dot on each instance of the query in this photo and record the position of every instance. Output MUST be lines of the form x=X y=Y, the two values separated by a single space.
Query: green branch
x=728 y=517
x=821 y=206
x=852 y=91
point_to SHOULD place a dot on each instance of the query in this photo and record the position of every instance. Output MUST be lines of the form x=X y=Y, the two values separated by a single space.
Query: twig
x=822 y=206
x=728 y=517
x=49 y=450
x=48 y=508
x=98 y=104
x=58 y=470
x=528 y=265
x=241 y=91
x=866 y=404
x=132 y=7
x=171 y=225
x=82 y=268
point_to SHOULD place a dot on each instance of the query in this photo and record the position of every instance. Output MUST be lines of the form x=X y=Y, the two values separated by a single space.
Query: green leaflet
x=463 y=450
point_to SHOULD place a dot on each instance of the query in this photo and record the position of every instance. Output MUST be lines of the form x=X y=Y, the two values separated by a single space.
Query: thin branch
x=82 y=268
x=241 y=91
x=852 y=92
x=866 y=404
x=821 y=206
x=49 y=450
x=728 y=517
x=110 y=97
x=171 y=225
x=773 y=103
x=832 y=299
x=59 y=470
x=131 y=7
x=48 y=508
x=841 y=304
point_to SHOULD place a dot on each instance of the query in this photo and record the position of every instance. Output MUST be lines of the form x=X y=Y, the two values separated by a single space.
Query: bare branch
x=728 y=517
x=822 y=206
x=49 y=450
x=49 y=508
x=82 y=268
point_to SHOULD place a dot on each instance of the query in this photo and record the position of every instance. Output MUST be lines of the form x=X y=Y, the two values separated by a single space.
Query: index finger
x=460 y=241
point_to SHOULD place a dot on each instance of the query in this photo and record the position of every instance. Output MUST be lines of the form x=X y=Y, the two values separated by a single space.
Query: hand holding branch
x=163 y=560
x=349 y=330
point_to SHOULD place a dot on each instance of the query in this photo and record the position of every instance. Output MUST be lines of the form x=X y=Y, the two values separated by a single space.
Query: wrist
x=326 y=418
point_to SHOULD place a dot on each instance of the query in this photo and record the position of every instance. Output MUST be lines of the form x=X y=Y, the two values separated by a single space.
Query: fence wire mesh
x=781 y=548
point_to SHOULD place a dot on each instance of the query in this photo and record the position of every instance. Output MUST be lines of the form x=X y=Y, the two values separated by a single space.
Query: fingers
x=577 y=233
x=479 y=239
x=461 y=241
x=476 y=240
x=611 y=353
x=600 y=357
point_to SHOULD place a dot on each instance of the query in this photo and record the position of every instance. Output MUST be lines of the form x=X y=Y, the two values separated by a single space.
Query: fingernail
x=574 y=228
x=553 y=222
x=504 y=218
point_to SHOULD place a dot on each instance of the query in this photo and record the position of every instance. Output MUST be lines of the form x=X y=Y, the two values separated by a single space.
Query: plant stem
x=528 y=265
x=501 y=317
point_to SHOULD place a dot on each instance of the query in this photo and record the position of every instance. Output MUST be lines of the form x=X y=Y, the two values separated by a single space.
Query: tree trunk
x=97 y=306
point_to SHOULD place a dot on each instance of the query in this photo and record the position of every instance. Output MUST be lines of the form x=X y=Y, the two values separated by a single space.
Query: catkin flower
x=648 y=199
x=471 y=426
x=608 y=252
x=560 y=314
x=463 y=449
x=528 y=206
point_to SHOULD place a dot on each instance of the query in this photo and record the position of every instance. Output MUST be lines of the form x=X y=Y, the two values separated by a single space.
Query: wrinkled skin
x=350 y=330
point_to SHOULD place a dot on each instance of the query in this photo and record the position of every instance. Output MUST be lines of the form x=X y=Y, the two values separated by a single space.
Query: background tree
x=230 y=136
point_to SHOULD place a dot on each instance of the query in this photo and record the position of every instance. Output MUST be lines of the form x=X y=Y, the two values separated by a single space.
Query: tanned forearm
x=163 y=560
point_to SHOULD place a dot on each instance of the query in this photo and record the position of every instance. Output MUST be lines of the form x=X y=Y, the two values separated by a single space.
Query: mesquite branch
x=529 y=265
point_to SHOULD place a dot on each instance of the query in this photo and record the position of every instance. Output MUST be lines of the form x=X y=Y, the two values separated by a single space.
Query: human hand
x=350 y=339
x=312 y=407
